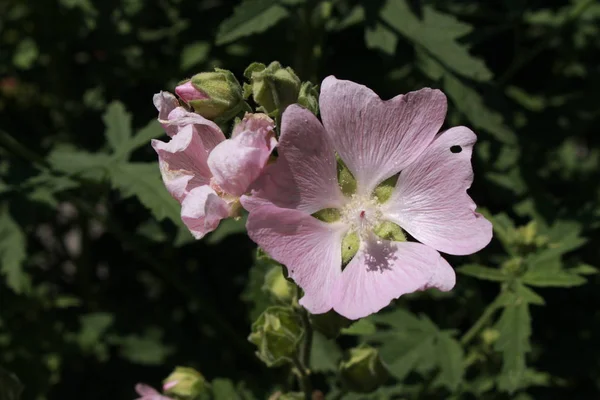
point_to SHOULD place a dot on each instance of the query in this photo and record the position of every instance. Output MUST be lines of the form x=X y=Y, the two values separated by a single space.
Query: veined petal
x=377 y=139
x=430 y=200
x=209 y=132
x=202 y=210
x=235 y=163
x=183 y=162
x=382 y=271
x=149 y=393
x=165 y=102
x=304 y=177
x=309 y=248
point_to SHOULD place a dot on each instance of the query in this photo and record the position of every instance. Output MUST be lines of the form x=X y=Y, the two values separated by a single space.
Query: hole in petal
x=456 y=149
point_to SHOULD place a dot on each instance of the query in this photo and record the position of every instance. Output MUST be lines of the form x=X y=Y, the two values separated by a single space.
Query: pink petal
x=183 y=162
x=304 y=177
x=209 y=132
x=237 y=162
x=254 y=122
x=165 y=102
x=376 y=138
x=309 y=248
x=188 y=92
x=431 y=201
x=382 y=271
x=145 y=390
x=202 y=210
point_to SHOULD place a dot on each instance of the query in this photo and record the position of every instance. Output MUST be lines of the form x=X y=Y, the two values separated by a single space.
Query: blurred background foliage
x=102 y=287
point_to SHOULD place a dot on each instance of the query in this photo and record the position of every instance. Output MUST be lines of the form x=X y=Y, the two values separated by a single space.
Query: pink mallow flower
x=188 y=92
x=204 y=171
x=376 y=140
x=149 y=393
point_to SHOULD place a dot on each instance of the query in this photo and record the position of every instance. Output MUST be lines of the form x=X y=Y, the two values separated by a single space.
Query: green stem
x=479 y=324
x=303 y=378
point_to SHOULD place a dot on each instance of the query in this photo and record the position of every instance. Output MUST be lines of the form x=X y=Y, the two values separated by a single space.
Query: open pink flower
x=205 y=172
x=149 y=393
x=376 y=140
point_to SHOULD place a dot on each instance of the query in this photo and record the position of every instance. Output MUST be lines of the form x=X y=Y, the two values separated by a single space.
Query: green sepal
x=328 y=215
x=346 y=180
x=277 y=286
x=309 y=97
x=390 y=231
x=350 y=245
x=383 y=192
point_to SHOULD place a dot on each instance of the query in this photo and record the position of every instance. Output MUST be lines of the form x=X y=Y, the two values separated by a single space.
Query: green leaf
x=485 y=273
x=402 y=356
x=437 y=33
x=147 y=349
x=514 y=327
x=450 y=359
x=529 y=296
x=143 y=181
x=92 y=166
x=552 y=278
x=250 y=17
x=10 y=386
x=381 y=38
x=360 y=328
x=12 y=254
x=25 y=54
x=325 y=354
x=253 y=294
x=118 y=125
x=584 y=269
x=193 y=54
x=143 y=137
x=471 y=104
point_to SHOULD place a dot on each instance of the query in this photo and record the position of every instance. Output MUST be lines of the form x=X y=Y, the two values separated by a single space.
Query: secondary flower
x=204 y=171
x=149 y=393
x=334 y=206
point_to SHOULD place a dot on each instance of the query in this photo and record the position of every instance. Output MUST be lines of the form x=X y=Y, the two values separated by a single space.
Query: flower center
x=362 y=214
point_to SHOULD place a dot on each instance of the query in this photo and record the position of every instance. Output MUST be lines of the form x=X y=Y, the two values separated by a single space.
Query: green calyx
x=363 y=371
x=383 y=192
x=273 y=87
x=185 y=383
x=390 y=231
x=328 y=215
x=350 y=245
x=346 y=180
x=224 y=95
x=276 y=334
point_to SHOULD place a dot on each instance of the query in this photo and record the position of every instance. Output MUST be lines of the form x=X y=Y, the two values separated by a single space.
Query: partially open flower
x=335 y=205
x=204 y=171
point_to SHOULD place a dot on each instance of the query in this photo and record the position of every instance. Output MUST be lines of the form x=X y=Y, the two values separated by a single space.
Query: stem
x=303 y=378
x=11 y=144
x=480 y=323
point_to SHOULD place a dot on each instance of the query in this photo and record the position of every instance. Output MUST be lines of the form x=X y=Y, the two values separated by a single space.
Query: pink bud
x=188 y=92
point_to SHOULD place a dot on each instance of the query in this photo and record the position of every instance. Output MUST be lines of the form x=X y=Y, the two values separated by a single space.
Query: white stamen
x=362 y=214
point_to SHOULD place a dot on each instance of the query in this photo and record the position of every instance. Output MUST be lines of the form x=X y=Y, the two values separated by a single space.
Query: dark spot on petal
x=456 y=149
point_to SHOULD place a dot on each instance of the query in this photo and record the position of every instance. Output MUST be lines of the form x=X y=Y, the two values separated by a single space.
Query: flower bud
x=214 y=95
x=276 y=333
x=363 y=371
x=273 y=87
x=309 y=97
x=185 y=383
x=280 y=289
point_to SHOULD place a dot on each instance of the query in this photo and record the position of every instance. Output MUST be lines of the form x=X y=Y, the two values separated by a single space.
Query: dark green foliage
x=102 y=287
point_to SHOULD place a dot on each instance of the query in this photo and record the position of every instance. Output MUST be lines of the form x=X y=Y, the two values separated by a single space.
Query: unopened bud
x=185 y=383
x=276 y=333
x=214 y=95
x=280 y=289
x=273 y=87
x=363 y=371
